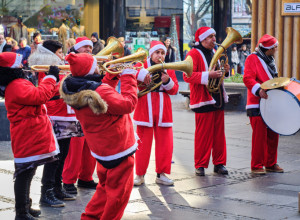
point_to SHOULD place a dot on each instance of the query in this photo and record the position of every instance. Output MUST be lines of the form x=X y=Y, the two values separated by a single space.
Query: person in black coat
x=170 y=56
x=97 y=45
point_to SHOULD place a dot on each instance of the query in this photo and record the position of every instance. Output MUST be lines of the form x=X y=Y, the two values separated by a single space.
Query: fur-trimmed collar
x=84 y=98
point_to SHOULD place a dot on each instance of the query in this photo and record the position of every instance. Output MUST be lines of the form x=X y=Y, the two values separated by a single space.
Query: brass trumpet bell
x=118 y=65
x=114 y=47
x=185 y=66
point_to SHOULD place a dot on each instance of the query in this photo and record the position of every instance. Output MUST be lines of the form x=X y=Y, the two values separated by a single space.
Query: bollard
x=299 y=202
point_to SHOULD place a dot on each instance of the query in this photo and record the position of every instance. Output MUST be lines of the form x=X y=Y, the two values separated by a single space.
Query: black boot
x=33 y=212
x=61 y=194
x=48 y=199
x=22 y=214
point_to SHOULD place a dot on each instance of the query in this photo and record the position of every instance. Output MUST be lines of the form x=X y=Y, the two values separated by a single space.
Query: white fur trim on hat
x=18 y=61
x=270 y=47
x=157 y=47
x=83 y=43
x=206 y=34
x=93 y=68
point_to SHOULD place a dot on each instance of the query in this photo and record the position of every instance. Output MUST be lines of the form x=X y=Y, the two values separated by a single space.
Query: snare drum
x=281 y=111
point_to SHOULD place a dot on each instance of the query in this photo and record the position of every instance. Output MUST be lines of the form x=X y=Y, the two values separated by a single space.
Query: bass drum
x=281 y=110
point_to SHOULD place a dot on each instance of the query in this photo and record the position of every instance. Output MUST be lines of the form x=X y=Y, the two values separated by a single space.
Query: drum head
x=281 y=111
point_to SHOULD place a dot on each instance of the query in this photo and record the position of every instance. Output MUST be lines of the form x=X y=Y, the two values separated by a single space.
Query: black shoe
x=200 y=171
x=60 y=193
x=33 y=212
x=90 y=184
x=70 y=188
x=220 y=169
x=48 y=199
x=24 y=216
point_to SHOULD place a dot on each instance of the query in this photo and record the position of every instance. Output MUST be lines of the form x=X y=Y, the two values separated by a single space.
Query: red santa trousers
x=264 y=144
x=112 y=193
x=210 y=136
x=79 y=164
x=163 y=149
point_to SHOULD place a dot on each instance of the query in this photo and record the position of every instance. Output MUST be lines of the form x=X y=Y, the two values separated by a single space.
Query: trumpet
x=45 y=68
x=118 y=65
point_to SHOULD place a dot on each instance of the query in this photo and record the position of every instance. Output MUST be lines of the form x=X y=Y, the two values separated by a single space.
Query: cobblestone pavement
x=240 y=195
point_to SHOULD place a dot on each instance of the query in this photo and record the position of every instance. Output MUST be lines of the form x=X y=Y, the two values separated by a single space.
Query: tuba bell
x=233 y=36
x=118 y=65
x=185 y=66
x=114 y=48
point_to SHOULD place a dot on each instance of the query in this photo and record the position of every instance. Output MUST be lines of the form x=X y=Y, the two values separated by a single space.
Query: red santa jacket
x=105 y=117
x=199 y=95
x=255 y=73
x=57 y=109
x=31 y=133
x=143 y=114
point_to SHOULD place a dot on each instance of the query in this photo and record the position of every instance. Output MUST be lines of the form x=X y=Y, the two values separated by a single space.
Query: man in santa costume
x=154 y=115
x=260 y=67
x=79 y=164
x=104 y=115
x=33 y=142
x=64 y=125
x=208 y=108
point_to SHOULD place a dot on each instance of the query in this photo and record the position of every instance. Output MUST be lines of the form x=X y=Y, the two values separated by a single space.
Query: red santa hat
x=267 y=42
x=82 y=41
x=81 y=64
x=10 y=59
x=203 y=33
x=156 y=45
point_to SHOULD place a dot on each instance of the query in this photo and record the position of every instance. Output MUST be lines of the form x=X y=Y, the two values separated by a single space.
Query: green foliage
x=237 y=78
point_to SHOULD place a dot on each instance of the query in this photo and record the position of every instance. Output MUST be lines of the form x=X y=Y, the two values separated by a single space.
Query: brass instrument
x=233 y=36
x=114 y=47
x=118 y=65
x=45 y=68
x=185 y=66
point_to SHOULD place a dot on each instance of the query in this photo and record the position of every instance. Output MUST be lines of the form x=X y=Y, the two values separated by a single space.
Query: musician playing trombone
x=154 y=114
x=208 y=108
x=260 y=67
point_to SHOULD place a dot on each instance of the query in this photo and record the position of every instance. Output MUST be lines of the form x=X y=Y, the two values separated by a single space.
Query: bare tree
x=196 y=9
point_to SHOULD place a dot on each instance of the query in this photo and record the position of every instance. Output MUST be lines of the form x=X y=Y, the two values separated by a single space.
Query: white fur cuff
x=50 y=76
x=204 y=78
x=255 y=88
x=168 y=86
x=142 y=74
x=128 y=71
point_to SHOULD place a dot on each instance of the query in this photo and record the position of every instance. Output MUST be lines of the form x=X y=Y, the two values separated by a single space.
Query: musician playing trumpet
x=208 y=108
x=260 y=67
x=154 y=114
x=104 y=115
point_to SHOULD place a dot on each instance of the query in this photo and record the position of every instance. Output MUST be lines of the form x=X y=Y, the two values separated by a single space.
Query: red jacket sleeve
x=250 y=74
x=28 y=94
x=111 y=79
x=124 y=103
x=198 y=76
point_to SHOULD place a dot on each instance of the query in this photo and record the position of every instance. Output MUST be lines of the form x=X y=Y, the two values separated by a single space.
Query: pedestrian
x=70 y=43
x=24 y=50
x=79 y=164
x=260 y=67
x=126 y=49
x=234 y=58
x=170 y=56
x=52 y=193
x=208 y=108
x=13 y=43
x=4 y=47
x=33 y=142
x=105 y=118
x=242 y=57
x=37 y=39
x=97 y=45
x=154 y=115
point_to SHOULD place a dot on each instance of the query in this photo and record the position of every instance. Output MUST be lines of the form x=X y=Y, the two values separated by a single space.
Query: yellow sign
x=290 y=8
